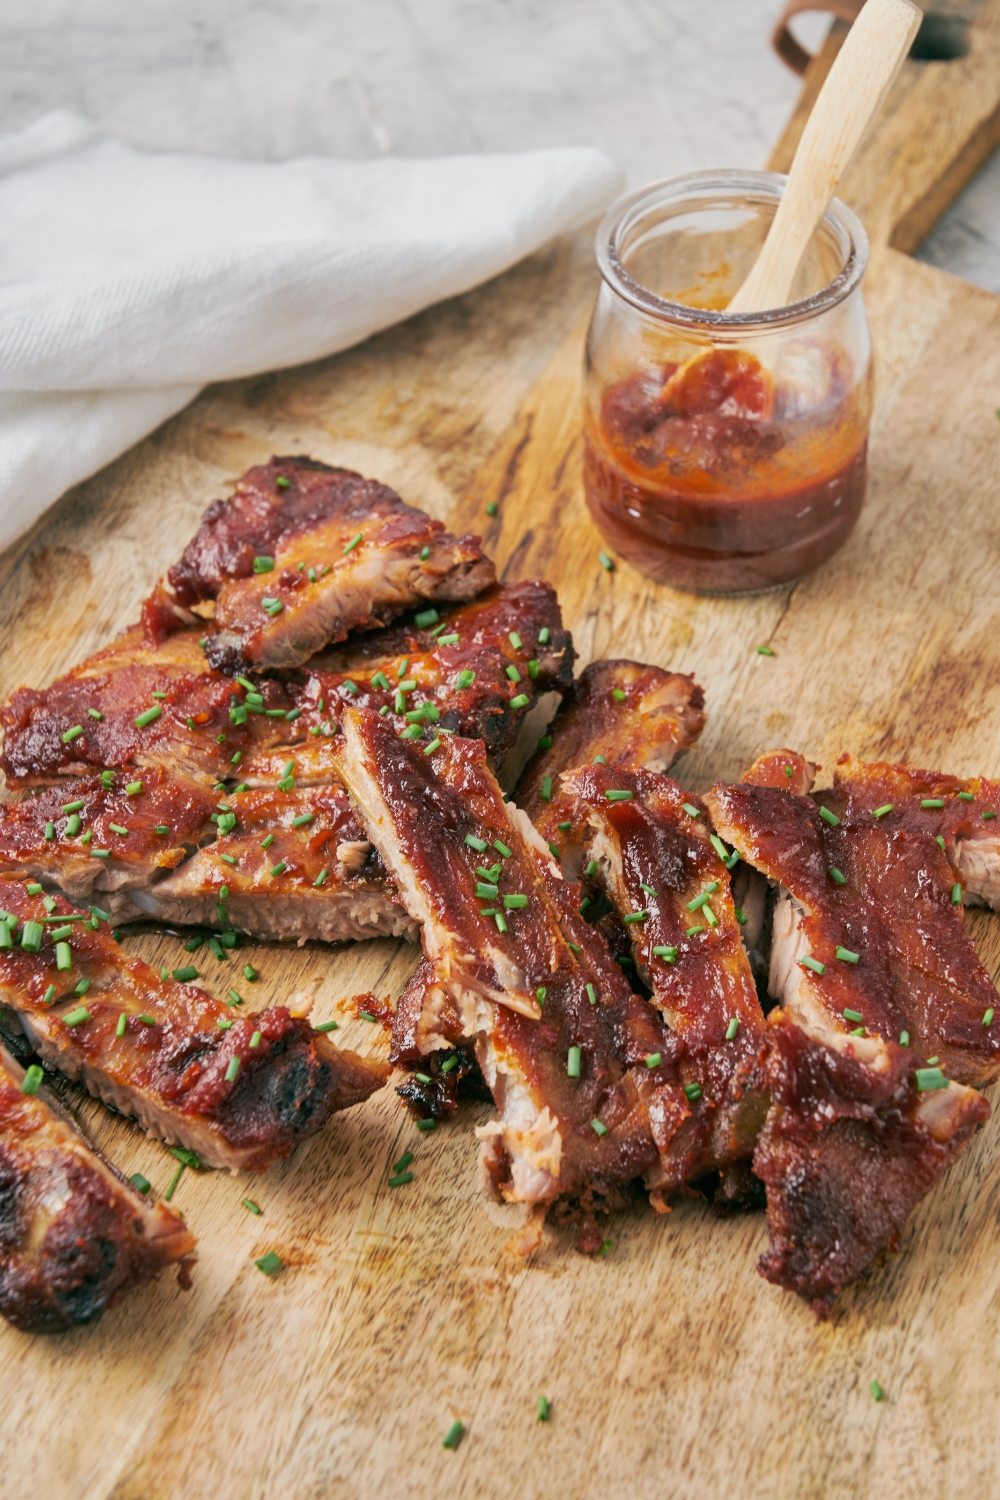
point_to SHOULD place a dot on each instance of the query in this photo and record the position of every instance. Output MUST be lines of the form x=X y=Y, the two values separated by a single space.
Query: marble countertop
x=666 y=86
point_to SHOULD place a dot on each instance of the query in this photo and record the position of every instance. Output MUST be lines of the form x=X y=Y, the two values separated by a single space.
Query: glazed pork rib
x=74 y=1236
x=633 y=715
x=241 y=1091
x=295 y=863
x=671 y=889
x=865 y=949
x=560 y=1037
x=302 y=554
x=133 y=704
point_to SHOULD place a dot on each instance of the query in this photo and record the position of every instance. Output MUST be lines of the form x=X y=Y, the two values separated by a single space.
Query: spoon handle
x=850 y=98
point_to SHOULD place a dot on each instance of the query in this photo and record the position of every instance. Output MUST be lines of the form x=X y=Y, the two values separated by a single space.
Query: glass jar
x=724 y=453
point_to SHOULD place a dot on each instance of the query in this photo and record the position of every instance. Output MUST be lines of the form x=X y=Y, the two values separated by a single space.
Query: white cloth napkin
x=128 y=280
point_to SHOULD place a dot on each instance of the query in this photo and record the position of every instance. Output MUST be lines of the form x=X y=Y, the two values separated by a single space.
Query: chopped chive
x=435 y=744
x=515 y=903
x=185 y=975
x=50 y=995
x=709 y=915
x=32 y=1079
x=448 y=1064
x=426 y=1124
x=852 y=1015
x=327 y=1026
x=699 y=901
x=75 y=733
x=666 y=951
x=933 y=1061
x=789 y=772
x=82 y=987
x=880 y=812
x=453 y=1436
x=543 y=1408
x=956 y=894
x=119 y=829
x=161 y=828
x=355 y=539
x=252 y=1207
x=107 y=780
x=543 y=636
x=598 y=1128
x=521 y=701
x=279 y=868
x=693 y=1091
x=269 y=1263
x=967 y=796
x=932 y=802
x=694 y=931
x=303 y=819
x=653 y=1059
x=554 y=850
x=64 y=956
x=988 y=815
x=95 y=713
x=606 y=562
x=400 y=1179
x=617 y=693
x=540 y=994
x=876 y=1390
x=133 y=789
x=533 y=668
x=232 y=1069
x=928 y=1079
x=546 y=788
x=591 y=994
x=466 y=678
x=72 y=807
x=846 y=956
x=491 y=510
x=230 y=859
x=50 y=830
x=837 y=876
x=764 y=651
x=732 y=1029
x=574 y=949
x=425 y=618
x=573 y=1063
x=149 y=716
x=618 y=796
x=31 y=936
x=404 y=1162
x=939 y=840
x=691 y=810
x=475 y=843
x=904 y=1038
x=122 y=1025
x=636 y=916
x=267 y=841
x=500 y=920
x=451 y=639
x=501 y=848
x=591 y=869
x=718 y=846
x=808 y=962
x=140 y=1183
x=223 y=1024
x=263 y=564
x=77 y=1017
x=830 y=817
x=988 y=1016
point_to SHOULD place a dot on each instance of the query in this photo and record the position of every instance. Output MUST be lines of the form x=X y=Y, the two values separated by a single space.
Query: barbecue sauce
x=713 y=477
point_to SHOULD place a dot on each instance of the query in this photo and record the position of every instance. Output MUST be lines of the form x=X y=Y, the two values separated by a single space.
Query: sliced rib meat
x=106 y=843
x=171 y=1065
x=199 y=721
x=631 y=714
x=296 y=863
x=671 y=890
x=302 y=554
x=75 y=1237
x=857 y=1131
x=517 y=982
x=878 y=890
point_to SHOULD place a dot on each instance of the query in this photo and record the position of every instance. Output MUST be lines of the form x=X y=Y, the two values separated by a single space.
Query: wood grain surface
x=672 y=1369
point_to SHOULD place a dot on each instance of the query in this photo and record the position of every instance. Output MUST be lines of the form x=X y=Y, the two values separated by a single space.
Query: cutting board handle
x=792 y=52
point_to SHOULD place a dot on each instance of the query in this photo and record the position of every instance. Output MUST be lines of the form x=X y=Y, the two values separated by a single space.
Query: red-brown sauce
x=707 y=477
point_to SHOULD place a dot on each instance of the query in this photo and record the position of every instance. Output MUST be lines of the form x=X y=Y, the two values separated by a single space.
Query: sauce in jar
x=724 y=453
x=698 y=476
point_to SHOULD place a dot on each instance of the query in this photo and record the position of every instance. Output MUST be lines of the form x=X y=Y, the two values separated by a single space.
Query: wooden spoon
x=849 y=100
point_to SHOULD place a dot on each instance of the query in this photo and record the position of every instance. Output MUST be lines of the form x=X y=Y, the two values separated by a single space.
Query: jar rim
x=623 y=214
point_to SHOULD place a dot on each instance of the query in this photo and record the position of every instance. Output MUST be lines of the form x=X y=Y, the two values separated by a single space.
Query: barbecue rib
x=295 y=864
x=74 y=1236
x=865 y=947
x=671 y=889
x=465 y=666
x=963 y=813
x=658 y=717
x=560 y=1037
x=241 y=1092
x=301 y=555
x=134 y=704
x=106 y=843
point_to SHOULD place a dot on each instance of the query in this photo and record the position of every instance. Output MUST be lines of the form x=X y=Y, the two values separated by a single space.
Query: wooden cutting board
x=671 y=1367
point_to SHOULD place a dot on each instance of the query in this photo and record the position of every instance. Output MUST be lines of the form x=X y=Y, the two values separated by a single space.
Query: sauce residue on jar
x=713 y=476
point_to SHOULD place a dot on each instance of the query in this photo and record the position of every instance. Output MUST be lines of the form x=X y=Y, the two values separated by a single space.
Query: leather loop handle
x=792 y=52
